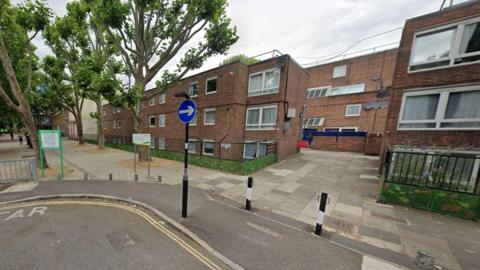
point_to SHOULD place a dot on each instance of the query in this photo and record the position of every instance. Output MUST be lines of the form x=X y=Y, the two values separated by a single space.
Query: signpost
x=186 y=113
x=141 y=139
x=50 y=140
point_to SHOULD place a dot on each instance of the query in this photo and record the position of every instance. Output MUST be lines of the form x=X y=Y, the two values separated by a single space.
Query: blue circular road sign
x=187 y=110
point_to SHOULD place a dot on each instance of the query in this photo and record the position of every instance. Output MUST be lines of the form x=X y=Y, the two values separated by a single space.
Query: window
x=161 y=120
x=161 y=143
x=326 y=91
x=193 y=89
x=313 y=121
x=348 y=89
x=353 y=110
x=455 y=108
x=161 y=98
x=104 y=125
x=261 y=117
x=253 y=150
x=152 y=142
x=151 y=101
x=119 y=124
x=208 y=147
x=317 y=92
x=192 y=146
x=114 y=124
x=339 y=71
x=151 y=121
x=116 y=109
x=445 y=46
x=104 y=112
x=211 y=85
x=209 y=117
x=340 y=129
x=264 y=82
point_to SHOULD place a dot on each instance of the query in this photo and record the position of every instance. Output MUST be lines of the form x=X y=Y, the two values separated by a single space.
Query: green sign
x=50 y=140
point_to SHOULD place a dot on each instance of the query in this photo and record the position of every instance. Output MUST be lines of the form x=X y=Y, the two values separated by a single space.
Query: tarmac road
x=93 y=235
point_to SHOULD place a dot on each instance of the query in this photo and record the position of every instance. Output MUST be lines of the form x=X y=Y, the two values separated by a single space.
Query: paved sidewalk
x=291 y=189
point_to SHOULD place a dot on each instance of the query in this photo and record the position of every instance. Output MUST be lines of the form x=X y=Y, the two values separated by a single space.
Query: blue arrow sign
x=187 y=111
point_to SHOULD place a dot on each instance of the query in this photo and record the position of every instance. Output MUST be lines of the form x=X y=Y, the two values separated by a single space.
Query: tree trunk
x=100 y=130
x=138 y=123
x=33 y=132
x=80 y=128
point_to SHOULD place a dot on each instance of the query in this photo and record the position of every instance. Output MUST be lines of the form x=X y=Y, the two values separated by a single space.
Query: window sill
x=261 y=93
x=356 y=115
x=443 y=67
x=210 y=93
x=205 y=124
x=438 y=129
x=206 y=154
x=259 y=129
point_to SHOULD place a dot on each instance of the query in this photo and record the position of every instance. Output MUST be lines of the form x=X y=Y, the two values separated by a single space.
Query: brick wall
x=123 y=133
x=332 y=143
x=449 y=76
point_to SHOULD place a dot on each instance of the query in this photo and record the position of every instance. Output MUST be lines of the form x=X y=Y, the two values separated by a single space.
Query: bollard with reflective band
x=249 y=194
x=321 y=214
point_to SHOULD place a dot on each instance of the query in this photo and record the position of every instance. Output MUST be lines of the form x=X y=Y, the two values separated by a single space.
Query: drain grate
x=339 y=224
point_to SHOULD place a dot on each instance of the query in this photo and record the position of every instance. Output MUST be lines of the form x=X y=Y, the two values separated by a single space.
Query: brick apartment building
x=243 y=111
x=435 y=103
x=117 y=124
x=350 y=95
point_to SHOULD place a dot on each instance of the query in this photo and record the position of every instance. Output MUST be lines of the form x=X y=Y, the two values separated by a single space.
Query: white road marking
x=39 y=210
x=371 y=263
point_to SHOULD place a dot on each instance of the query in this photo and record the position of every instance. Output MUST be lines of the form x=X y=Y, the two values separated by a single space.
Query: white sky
x=306 y=28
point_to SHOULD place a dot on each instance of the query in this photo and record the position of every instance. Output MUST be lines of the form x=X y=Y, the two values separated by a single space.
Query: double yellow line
x=149 y=219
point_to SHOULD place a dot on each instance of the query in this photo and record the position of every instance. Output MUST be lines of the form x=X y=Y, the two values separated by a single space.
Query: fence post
x=110 y=176
x=248 y=205
x=321 y=214
x=136 y=177
x=33 y=169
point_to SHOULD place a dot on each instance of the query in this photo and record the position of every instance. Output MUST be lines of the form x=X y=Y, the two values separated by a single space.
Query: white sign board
x=50 y=140
x=141 y=138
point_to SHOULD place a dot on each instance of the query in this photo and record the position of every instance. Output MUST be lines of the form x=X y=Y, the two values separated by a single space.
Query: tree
x=239 y=58
x=84 y=57
x=19 y=25
x=150 y=33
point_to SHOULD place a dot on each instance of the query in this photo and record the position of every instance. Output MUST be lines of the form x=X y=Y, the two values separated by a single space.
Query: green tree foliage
x=84 y=65
x=239 y=58
x=19 y=25
x=150 y=33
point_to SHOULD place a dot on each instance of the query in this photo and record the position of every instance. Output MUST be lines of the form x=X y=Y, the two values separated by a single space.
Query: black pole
x=248 y=204
x=185 y=175
x=321 y=214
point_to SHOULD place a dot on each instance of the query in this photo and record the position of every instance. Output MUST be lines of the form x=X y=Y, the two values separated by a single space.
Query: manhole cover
x=339 y=225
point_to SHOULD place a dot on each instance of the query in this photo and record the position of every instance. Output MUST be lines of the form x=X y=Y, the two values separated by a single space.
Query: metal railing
x=16 y=170
x=443 y=171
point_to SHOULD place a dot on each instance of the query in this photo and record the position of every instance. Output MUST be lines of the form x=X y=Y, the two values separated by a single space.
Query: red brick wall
x=350 y=144
x=373 y=144
x=455 y=75
x=125 y=131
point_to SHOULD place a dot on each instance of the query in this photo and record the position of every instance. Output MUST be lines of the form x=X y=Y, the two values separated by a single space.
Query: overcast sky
x=306 y=29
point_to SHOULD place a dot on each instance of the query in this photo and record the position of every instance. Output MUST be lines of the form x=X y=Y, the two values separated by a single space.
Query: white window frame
x=205 y=116
x=164 y=120
x=344 y=67
x=340 y=129
x=262 y=91
x=353 y=105
x=454 y=47
x=198 y=92
x=195 y=141
x=150 y=121
x=151 y=101
x=203 y=147
x=441 y=109
x=260 y=117
x=206 y=84
x=114 y=124
x=164 y=143
x=160 y=101
x=257 y=142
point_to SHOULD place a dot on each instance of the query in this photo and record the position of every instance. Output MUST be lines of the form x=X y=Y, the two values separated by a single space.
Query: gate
x=17 y=170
